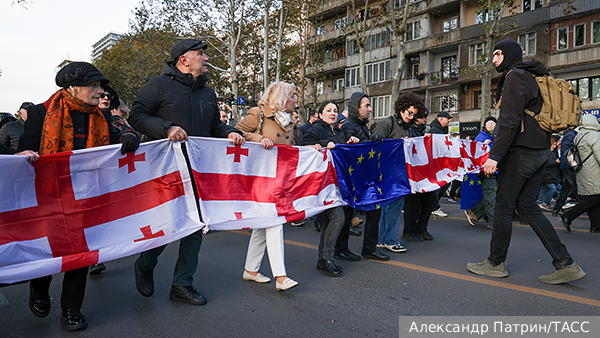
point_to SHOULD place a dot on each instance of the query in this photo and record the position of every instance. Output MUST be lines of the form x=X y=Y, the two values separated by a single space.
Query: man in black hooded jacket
x=359 y=109
x=519 y=153
x=176 y=104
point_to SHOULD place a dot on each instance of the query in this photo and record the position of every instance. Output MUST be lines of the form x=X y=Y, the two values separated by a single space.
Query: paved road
x=429 y=280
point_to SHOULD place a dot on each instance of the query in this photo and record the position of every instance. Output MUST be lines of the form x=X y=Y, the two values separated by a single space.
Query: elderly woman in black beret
x=70 y=120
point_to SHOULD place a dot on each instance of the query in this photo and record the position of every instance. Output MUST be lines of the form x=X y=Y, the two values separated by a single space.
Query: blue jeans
x=486 y=205
x=519 y=179
x=389 y=224
x=187 y=262
x=547 y=192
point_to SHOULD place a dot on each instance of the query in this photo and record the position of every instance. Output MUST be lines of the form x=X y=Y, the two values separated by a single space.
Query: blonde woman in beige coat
x=270 y=123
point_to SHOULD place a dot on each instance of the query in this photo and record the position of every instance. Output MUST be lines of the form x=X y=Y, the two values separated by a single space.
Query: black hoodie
x=519 y=91
x=175 y=98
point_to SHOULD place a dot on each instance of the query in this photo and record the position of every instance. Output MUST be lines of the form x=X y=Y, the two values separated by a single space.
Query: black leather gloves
x=130 y=143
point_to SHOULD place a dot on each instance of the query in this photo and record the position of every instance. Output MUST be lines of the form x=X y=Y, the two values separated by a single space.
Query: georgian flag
x=249 y=187
x=74 y=209
x=432 y=162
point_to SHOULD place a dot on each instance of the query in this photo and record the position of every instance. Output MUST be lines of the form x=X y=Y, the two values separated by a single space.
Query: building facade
x=105 y=43
x=444 y=43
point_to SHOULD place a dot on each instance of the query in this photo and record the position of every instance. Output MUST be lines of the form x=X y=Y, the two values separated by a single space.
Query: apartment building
x=443 y=45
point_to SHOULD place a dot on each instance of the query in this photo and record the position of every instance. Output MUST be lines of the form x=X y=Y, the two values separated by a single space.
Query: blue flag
x=372 y=174
x=470 y=192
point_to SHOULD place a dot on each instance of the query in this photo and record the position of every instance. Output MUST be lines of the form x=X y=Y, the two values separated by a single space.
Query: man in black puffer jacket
x=519 y=153
x=359 y=109
x=176 y=104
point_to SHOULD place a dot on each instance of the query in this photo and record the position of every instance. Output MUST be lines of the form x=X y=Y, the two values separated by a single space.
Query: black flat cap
x=183 y=46
x=79 y=74
x=444 y=114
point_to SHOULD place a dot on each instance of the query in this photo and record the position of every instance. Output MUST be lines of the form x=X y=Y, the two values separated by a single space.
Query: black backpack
x=573 y=159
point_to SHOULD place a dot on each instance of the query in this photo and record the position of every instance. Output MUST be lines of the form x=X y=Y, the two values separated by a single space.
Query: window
x=352 y=77
x=340 y=23
x=415 y=70
x=449 y=69
x=529 y=5
x=381 y=106
x=377 y=41
x=479 y=18
x=562 y=38
x=476 y=52
x=588 y=88
x=478 y=99
x=319 y=88
x=446 y=103
x=338 y=54
x=320 y=30
x=351 y=47
x=413 y=30
x=579 y=35
x=338 y=85
x=378 y=72
x=596 y=32
x=528 y=43
x=450 y=24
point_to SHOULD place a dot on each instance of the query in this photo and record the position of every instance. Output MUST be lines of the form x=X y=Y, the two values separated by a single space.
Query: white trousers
x=272 y=239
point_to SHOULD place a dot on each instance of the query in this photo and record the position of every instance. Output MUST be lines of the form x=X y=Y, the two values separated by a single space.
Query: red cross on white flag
x=432 y=162
x=262 y=188
x=75 y=209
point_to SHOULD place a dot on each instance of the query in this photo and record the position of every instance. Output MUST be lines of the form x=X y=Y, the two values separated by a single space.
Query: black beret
x=79 y=74
x=183 y=46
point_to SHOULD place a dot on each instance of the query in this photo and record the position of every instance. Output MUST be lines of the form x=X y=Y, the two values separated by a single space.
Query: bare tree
x=397 y=22
x=362 y=27
x=283 y=13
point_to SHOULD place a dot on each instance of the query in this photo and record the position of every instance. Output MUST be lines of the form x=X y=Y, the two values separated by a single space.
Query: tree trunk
x=266 y=47
x=282 y=20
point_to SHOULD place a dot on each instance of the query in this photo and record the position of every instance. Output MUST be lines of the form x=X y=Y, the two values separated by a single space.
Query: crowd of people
x=522 y=166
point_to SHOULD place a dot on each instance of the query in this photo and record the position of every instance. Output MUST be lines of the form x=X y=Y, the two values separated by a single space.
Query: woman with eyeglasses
x=325 y=133
x=69 y=120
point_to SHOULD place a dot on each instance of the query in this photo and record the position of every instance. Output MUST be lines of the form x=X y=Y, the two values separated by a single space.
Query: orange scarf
x=57 y=131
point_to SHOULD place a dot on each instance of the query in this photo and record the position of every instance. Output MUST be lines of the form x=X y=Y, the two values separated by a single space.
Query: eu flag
x=372 y=174
x=470 y=192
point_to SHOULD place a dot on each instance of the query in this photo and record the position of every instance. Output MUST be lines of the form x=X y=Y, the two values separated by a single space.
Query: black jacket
x=520 y=91
x=436 y=127
x=417 y=130
x=551 y=173
x=305 y=127
x=322 y=134
x=176 y=99
x=32 y=135
x=10 y=134
x=4 y=150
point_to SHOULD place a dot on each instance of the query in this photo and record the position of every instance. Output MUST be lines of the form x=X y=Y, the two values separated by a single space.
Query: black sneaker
x=426 y=235
x=96 y=269
x=412 y=237
x=565 y=222
x=186 y=294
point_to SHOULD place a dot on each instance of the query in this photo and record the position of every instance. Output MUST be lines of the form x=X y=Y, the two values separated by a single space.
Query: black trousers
x=370 y=233
x=73 y=288
x=417 y=209
x=589 y=204
x=519 y=179
x=568 y=185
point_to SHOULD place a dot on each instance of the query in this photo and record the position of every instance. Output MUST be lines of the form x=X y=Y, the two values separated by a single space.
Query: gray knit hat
x=353 y=103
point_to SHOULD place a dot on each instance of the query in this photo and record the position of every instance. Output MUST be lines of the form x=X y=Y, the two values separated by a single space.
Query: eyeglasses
x=110 y=97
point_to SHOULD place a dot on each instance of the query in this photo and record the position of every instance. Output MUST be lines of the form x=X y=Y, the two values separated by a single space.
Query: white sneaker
x=380 y=245
x=287 y=284
x=395 y=248
x=259 y=278
x=568 y=206
x=439 y=213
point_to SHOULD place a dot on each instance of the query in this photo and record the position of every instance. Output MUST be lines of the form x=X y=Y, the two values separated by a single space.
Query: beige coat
x=589 y=143
x=271 y=128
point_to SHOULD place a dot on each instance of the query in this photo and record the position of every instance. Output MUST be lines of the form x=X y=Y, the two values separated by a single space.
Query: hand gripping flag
x=250 y=187
x=75 y=209
x=432 y=162
x=371 y=174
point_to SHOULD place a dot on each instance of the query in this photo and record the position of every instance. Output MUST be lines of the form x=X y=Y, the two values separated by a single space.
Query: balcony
x=556 y=9
x=328 y=67
x=574 y=57
x=333 y=96
x=432 y=41
x=441 y=78
x=409 y=84
x=330 y=8
x=330 y=35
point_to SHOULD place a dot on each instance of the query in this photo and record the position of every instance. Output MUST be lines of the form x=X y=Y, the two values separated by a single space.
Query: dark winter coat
x=176 y=99
x=436 y=128
x=566 y=143
x=551 y=173
x=322 y=133
x=417 y=130
x=393 y=127
x=10 y=134
x=520 y=91
x=32 y=135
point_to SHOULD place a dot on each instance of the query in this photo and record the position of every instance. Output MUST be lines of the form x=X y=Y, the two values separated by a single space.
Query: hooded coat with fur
x=588 y=142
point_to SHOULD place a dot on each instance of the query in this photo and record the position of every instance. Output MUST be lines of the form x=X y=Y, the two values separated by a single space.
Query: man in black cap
x=440 y=126
x=176 y=104
x=519 y=153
